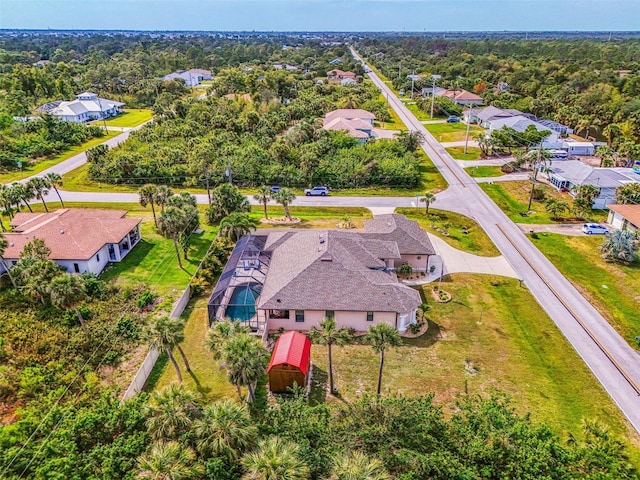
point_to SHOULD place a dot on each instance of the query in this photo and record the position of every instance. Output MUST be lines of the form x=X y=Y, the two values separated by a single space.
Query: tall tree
x=381 y=337
x=170 y=413
x=148 y=194
x=236 y=225
x=225 y=429
x=586 y=193
x=67 y=292
x=21 y=195
x=263 y=196
x=55 y=181
x=329 y=335
x=163 y=194
x=225 y=200
x=3 y=247
x=428 y=198
x=628 y=193
x=173 y=223
x=169 y=461
x=275 y=459
x=245 y=358
x=40 y=187
x=166 y=334
x=285 y=197
x=220 y=333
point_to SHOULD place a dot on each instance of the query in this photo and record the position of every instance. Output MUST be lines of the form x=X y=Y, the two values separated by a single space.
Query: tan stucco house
x=293 y=279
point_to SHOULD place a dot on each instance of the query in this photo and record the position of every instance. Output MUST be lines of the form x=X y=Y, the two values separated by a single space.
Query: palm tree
x=428 y=198
x=263 y=196
x=222 y=331
x=556 y=207
x=21 y=195
x=275 y=459
x=225 y=429
x=381 y=337
x=328 y=335
x=165 y=334
x=6 y=203
x=3 y=247
x=40 y=187
x=236 y=225
x=245 y=359
x=587 y=193
x=357 y=466
x=628 y=193
x=171 y=412
x=169 y=461
x=621 y=245
x=163 y=195
x=285 y=197
x=67 y=292
x=148 y=194
x=173 y=223
x=55 y=181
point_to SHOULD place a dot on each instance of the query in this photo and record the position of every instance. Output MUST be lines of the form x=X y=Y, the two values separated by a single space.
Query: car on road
x=275 y=188
x=594 y=228
x=316 y=191
x=453 y=119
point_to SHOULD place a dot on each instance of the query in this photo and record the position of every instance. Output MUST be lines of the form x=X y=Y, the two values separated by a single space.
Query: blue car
x=275 y=189
x=453 y=119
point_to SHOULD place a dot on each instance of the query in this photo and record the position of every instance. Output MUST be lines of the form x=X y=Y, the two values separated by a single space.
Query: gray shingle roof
x=407 y=234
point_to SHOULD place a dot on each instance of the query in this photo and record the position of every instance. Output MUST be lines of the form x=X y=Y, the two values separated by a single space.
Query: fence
x=141 y=376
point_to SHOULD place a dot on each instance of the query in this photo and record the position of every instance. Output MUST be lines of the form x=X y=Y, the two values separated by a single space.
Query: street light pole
x=433 y=94
x=466 y=140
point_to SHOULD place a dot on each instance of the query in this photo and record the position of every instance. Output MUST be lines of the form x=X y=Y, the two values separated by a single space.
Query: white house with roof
x=565 y=175
x=86 y=107
x=356 y=122
x=191 y=78
x=520 y=123
x=81 y=240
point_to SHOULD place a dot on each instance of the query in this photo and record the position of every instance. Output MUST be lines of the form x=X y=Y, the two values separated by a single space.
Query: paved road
x=562 y=302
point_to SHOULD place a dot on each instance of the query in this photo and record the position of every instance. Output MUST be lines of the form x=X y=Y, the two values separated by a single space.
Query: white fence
x=137 y=384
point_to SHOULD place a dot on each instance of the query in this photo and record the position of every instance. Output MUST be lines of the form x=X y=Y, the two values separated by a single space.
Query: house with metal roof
x=81 y=240
x=293 y=279
x=86 y=107
x=290 y=362
x=191 y=77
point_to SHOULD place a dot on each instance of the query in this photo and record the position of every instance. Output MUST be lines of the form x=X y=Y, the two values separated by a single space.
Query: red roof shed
x=290 y=362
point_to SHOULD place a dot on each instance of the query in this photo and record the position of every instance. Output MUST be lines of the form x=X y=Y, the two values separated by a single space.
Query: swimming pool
x=242 y=304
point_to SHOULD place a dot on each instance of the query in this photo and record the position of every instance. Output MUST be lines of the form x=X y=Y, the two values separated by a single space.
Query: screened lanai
x=240 y=283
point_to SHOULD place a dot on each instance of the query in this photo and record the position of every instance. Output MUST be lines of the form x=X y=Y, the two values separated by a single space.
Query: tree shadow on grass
x=432 y=336
x=319 y=386
x=156 y=373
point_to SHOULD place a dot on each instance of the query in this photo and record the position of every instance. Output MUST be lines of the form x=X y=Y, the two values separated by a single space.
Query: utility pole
x=399 y=68
x=535 y=175
x=433 y=94
x=466 y=140
x=413 y=77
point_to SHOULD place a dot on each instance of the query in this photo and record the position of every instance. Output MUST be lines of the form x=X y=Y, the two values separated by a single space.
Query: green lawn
x=484 y=171
x=395 y=123
x=473 y=153
x=451 y=132
x=419 y=113
x=313 y=217
x=475 y=240
x=131 y=117
x=40 y=165
x=610 y=287
x=513 y=198
x=493 y=336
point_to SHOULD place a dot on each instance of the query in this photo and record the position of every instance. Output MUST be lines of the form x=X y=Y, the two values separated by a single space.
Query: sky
x=323 y=15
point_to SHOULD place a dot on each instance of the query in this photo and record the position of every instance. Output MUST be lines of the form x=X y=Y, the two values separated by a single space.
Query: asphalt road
x=605 y=352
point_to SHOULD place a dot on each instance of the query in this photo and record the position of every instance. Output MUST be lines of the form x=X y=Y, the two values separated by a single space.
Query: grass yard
x=419 y=113
x=313 y=217
x=484 y=171
x=474 y=241
x=40 y=165
x=473 y=153
x=451 y=132
x=513 y=198
x=492 y=336
x=131 y=117
x=613 y=289
x=206 y=377
x=395 y=123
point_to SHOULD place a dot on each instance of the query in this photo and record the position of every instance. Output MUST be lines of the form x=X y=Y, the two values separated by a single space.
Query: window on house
x=299 y=316
x=76 y=268
x=98 y=257
x=369 y=316
x=330 y=314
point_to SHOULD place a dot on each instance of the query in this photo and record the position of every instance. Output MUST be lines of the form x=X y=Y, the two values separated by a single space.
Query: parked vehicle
x=453 y=119
x=317 y=191
x=594 y=228
x=274 y=189
x=558 y=153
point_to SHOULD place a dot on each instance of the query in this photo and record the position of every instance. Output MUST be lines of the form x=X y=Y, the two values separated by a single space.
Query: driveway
x=574 y=229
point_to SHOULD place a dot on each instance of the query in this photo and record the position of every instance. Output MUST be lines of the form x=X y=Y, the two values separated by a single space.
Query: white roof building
x=87 y=106
x=191 y=77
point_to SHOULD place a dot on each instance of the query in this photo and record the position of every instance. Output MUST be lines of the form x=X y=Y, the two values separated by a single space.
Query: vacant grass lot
x=451 y=132
x=41 y=165
x=131 y=117
x=484 y=171
x=473 y=153
x=612 y=288
x=474 y=241
x=492 y=336
x=313 y=217
x=513 y=197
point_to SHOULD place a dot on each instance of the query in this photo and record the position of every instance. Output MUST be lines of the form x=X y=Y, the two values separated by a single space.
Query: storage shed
x=290 y=362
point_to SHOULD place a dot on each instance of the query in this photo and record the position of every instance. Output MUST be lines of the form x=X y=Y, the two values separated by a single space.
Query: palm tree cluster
x=15 y=197
x=284 y=196
x=628 y=194
x=165 y=334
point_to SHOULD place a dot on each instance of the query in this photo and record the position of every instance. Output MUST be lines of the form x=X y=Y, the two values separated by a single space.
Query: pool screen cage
x=242 y=278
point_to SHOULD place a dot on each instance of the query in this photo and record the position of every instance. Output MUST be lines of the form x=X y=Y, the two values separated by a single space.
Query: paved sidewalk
x=431 y=122
x=509 y=177
x=460 y=143
x=486 y=162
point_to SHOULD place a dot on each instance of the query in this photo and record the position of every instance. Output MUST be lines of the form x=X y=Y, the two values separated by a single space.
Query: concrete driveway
x=574 y=229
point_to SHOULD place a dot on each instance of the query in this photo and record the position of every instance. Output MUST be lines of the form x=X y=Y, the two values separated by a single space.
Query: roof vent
x=326 y=258
x=61 y=231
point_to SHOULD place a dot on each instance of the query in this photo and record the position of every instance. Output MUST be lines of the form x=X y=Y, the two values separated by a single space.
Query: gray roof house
x=297 y=278
x=520 y=123
x=191 y=77
x=86 y=107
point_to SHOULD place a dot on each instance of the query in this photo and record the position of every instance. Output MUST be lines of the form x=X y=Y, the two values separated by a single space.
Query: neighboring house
x=278 y=66
x=191 y=77
x=86 y=107
x=42 y=63
x=335 y=61
x=579 y=148
x=567 y=174
x=348 y=81
x=624 y=217
x=335 y=76
x=294 y=279
x=290 y=362
x=501 y=87
x=80 y=240
x=461 y=97
x=484 y=116
x=556 y=127
x=520 y=123
x=356 y=122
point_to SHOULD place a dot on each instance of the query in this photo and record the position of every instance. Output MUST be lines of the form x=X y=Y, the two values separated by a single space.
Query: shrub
x=145 y=299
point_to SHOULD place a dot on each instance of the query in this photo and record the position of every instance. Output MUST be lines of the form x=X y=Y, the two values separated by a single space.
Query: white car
x=317 y=191
x=594 y=228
